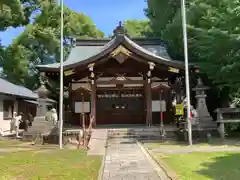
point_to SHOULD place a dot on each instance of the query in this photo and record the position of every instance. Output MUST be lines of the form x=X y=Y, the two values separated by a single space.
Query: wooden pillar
x=148 y=103
x=93 y=93
x=149 y=94
x=93 y=101
x=83 y=114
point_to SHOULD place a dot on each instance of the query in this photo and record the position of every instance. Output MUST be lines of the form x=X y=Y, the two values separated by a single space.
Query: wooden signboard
x=79 y=106
x=159 y=106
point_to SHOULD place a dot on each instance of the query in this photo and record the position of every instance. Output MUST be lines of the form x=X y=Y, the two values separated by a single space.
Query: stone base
x=200 y=135
x=207 y=123
x=39 y=126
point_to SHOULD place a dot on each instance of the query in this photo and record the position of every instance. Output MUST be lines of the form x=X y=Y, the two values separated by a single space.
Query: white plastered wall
x=5 y=123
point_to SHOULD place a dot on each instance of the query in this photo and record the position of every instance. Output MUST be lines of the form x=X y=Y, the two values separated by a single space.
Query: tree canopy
x=137 y=28
x=40 y=41
x=16 y=13
x=213 y=35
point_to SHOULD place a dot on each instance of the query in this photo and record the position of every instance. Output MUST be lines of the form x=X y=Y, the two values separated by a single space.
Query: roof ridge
x=103 y=41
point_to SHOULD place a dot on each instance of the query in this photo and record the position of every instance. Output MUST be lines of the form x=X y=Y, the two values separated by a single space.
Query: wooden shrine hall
x=119 y=80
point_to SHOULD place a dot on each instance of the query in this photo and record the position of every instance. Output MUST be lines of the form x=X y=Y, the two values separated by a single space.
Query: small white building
x=13 y=98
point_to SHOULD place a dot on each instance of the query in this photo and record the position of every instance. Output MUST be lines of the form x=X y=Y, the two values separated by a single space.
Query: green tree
x=15 y=64
x=165 y=22
x=41 y=39
x=213 y=35
x=137 y=28
x=161 y=13
x=14 y=13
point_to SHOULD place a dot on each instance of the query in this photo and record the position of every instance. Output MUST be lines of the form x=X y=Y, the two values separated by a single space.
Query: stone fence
x=227 y=115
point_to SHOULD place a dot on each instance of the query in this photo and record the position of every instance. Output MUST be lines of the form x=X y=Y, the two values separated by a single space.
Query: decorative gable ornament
x=119 y=29
x=121 y=78
x=120 y=54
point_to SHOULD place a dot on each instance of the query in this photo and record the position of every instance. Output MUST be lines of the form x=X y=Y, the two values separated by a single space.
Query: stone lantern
x=205 y=120
x=42 y=91
x=42 y=100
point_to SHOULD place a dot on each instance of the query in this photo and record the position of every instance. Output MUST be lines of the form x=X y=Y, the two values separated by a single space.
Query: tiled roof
x=9 y=88
x=84 y=51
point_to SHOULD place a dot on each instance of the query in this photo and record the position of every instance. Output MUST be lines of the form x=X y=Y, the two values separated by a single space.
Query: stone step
x=151 y=135
x=136 y=131
x=142 y=138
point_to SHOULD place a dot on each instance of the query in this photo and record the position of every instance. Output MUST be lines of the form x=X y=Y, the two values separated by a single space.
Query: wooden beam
x=121 y=82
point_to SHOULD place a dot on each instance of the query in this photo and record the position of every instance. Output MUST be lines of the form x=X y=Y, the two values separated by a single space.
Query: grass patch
x=164 y=144
x=9 y=142
x=52 y=164
x=181 y=144
x=204 y=166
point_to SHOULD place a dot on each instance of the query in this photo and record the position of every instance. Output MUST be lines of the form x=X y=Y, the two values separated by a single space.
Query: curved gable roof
x=88 y=54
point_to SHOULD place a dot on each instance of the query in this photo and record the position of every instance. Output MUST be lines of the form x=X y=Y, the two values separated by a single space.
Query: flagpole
x=184 y=26
x=61 y=81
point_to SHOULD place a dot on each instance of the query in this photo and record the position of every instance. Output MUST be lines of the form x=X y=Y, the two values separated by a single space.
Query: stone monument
x=42 y=100
x=205 y=120
x=39 y=125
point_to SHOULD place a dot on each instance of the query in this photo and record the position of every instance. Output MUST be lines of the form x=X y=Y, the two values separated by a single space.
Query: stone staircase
x=144 y=133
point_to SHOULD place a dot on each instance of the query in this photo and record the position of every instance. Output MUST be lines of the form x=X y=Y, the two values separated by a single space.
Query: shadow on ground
x=225 y=167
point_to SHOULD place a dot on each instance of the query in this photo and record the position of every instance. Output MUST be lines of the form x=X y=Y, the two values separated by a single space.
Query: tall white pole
x=184 y=25
x=61 y=81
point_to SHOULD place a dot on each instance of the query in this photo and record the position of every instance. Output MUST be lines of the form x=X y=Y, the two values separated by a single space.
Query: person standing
x=54 y=116
x=18 y=120
x=30 y=117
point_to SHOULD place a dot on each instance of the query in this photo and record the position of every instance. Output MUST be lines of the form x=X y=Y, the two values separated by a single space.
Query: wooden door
x=120 y=107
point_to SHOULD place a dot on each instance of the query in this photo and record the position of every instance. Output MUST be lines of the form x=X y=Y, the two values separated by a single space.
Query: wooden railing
x=227 y=115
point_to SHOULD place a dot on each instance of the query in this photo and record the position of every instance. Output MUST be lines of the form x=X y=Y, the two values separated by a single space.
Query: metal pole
x=184 y=25
x=61 y=81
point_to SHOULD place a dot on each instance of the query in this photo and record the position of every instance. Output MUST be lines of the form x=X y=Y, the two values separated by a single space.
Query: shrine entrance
x=121 y=106
x=114 y=80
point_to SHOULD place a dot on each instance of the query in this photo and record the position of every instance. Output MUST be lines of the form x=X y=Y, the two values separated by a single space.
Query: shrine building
x=121 y=80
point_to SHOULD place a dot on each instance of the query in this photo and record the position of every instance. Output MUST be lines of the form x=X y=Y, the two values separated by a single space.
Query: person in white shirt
x=54 y=116
x=17 y=120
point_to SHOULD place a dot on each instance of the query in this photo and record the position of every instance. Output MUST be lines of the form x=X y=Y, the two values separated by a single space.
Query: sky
x=105 y=14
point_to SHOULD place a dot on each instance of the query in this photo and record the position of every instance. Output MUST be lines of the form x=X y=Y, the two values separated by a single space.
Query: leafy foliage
x=15 y=64
x=137 y=28
x=213 y=35
x=16 y=12
x=40 y=41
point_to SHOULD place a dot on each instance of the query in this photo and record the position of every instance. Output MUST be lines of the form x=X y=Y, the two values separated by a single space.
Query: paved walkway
x=125 y=161
x=97 y=142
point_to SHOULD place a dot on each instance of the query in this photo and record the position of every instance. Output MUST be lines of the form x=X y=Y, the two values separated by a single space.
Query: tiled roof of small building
x=9 y=88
